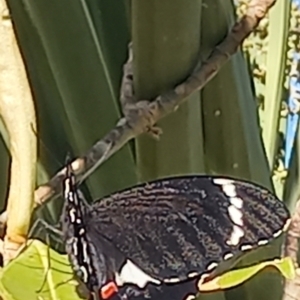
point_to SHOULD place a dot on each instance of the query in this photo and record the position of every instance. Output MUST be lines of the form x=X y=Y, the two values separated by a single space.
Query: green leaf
x=166 y=45
x=31 y=271
x=74 y=63
x=42 y=272
x=279 y=18
x=235 y=277
x=233 y=144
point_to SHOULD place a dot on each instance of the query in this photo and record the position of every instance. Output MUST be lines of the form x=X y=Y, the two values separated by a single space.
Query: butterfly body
x=95 y=260
x=88 y=262
x=166 y=231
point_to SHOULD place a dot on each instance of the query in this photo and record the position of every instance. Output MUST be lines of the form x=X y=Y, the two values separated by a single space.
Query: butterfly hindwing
x=178 y=228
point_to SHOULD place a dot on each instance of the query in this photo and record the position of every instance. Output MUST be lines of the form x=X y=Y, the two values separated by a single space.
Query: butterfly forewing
x=178 y=228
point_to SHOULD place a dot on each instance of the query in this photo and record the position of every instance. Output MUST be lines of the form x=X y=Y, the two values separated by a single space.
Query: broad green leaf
x=233 y=143
x=235 y=277
x=275 y=68
x=166 y=45
x=31 y=271
x=42 y=272
x=74 y=60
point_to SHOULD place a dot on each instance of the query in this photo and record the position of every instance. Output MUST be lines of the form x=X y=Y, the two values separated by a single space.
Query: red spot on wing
x=108 y=290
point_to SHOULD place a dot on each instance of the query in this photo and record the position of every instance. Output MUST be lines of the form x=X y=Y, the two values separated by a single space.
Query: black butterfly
x=166 y=231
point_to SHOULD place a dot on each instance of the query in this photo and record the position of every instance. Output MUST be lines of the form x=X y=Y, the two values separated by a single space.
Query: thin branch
x=127 y=90
x=292 y=287
x=293 y=234
x=127 y=97
x=143 y=116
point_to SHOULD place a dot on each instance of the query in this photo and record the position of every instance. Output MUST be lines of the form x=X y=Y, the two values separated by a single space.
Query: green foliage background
x=74 y=52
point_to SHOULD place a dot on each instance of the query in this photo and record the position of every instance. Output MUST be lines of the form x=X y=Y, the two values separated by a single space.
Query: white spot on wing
x=236 y=235
x=229 y=190
x=85 y=253
x=235 y=215
x=222 y=181
x=237 y=202
x=234 y=210
x=277 y=234
x=190 y=297
x=70 y=196
x=211 y=266
x=72 y=214
x=262 y=242
x=66 y=187
x=192 y=274
x=246 y=247
x=172 y=280
x=130 y=273
x=227 y=256
x=84 y=274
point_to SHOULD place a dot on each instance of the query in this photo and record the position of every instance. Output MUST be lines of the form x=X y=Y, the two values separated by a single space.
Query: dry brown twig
x=142 y=116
